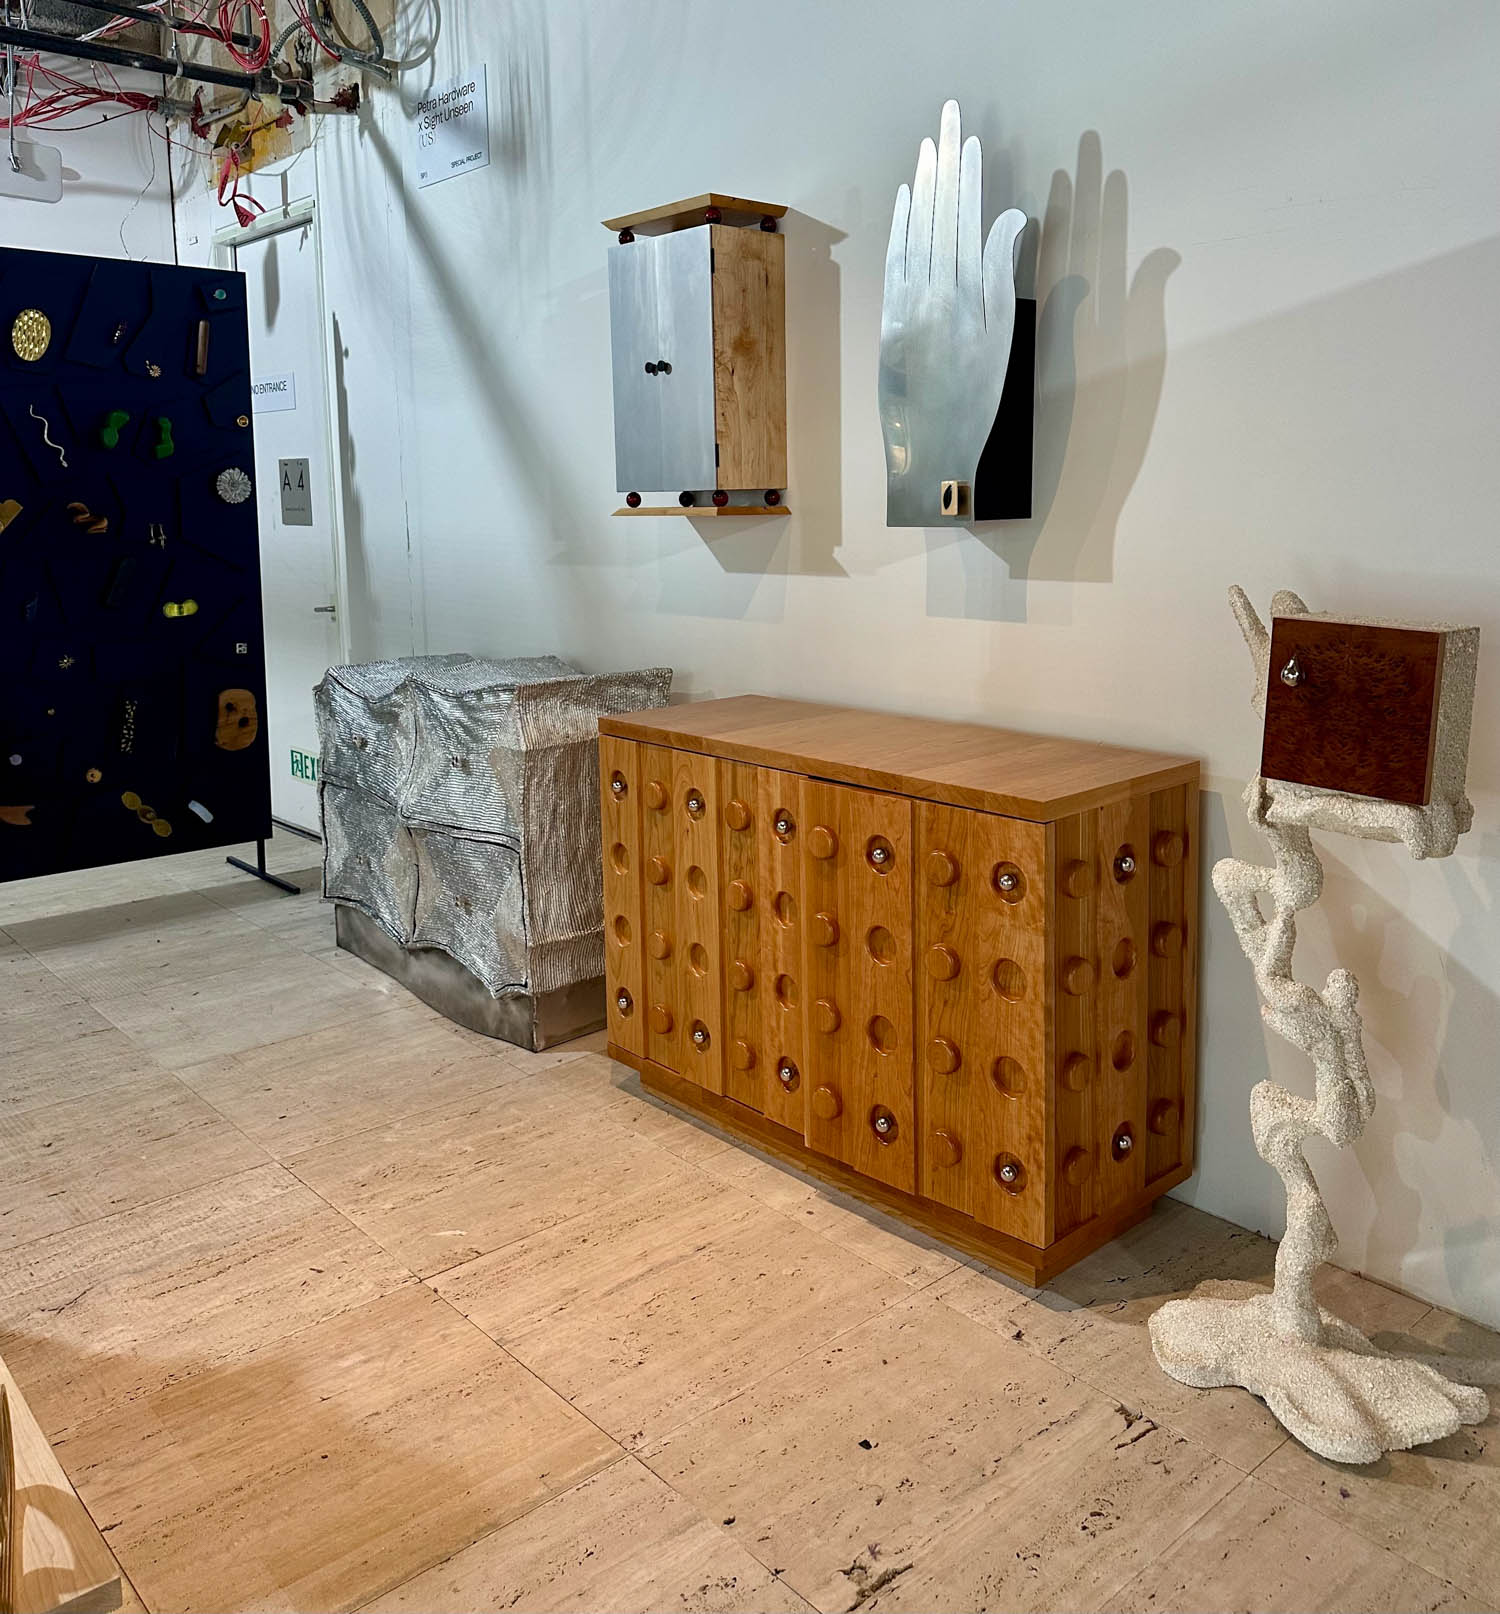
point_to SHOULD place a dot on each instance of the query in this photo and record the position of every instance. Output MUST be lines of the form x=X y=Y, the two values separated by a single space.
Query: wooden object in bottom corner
x=52 y=1556
x=950 y=968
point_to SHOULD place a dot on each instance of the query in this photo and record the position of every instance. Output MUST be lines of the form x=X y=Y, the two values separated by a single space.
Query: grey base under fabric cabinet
x=461 y=832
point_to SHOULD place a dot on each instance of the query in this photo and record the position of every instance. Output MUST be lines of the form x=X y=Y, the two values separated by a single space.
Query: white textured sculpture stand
x=1335 y=1391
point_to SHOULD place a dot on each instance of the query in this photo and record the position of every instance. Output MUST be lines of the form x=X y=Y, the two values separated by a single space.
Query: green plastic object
x=164 y=445
x=109 y=433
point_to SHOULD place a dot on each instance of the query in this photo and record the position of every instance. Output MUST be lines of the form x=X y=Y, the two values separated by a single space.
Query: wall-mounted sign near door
x=270 y=394
x=452 y=128
x=296 y=493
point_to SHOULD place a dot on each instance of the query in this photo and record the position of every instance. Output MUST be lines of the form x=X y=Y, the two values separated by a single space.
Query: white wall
x=116 y=200
x=1268 y=355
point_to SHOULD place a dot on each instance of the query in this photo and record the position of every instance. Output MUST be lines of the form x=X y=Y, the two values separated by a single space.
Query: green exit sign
x=304 y=767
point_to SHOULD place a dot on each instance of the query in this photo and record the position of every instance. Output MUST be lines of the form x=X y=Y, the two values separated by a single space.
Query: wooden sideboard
x=950 y=968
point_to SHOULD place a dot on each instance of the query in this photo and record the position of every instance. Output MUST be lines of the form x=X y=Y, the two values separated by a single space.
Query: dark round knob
x=626 y=237
x=661 y=1019
x=650 y=368
x=942 y=868
x=633 y=500
x=788 y=1074
x=712 y=215
x=741 y=976
x=686 y=500
x=821 y=841
x=773 y=496
x=943 y=1056
x=826 y=1103
x=663 y=368
x=623 y=1001
x=826 y=1016
x=657 y=796
x=658 y=871
x=720 y=498
x=824 y=929
x=741 y=896
x=942 y=963
x=768 y=223
x=736 y=814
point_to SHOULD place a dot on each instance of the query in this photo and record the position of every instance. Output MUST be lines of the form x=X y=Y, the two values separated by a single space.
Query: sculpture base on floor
x=1345 y=1398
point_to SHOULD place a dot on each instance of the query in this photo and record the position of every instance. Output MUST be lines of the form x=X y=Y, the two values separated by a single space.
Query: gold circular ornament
x=131 y=801
x=93 y=776
x=242 y=420
x=162 y=827
x=31 y=334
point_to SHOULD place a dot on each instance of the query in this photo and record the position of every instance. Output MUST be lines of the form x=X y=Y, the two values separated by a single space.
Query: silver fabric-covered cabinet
x=461 y=831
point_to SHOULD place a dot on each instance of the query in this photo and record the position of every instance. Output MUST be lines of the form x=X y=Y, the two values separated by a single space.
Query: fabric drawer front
x=470 y=904
x=368 y=859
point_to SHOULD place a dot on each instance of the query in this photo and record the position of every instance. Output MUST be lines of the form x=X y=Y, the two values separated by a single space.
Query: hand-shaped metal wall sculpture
x=956 y=358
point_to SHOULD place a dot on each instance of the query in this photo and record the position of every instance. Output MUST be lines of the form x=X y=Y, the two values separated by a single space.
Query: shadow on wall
x=1101 y=356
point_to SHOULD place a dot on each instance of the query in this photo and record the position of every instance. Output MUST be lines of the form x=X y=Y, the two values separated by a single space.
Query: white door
x=294 y=494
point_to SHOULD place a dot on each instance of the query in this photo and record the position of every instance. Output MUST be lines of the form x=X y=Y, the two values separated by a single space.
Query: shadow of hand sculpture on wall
x=946 y=325
x=1101 y=359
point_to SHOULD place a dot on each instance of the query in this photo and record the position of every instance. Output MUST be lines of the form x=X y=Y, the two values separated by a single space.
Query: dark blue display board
x=132 y=663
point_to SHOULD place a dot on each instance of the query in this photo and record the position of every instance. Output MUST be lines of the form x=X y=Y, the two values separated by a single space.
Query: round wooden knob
x=1166 y=848
x=946 y=1148
x=741 y=896
x=736 y=814
x=1077 y=878
x=1166 y=1029
x=1077 y=977
x=826 y=1103
x=942 y=868
x=1077 y=1165
x=943 y=1055
x=826 y=1016
x=824 y=929
x=942 y=963
x=660 y=945
x=660 y=1019
x=742 y=1055
x=1077 y=1068
x=741 y=976
x=658 y=871
x=1166 y=939
x=821 y=841
x=1163 y=1118
x=657 y=796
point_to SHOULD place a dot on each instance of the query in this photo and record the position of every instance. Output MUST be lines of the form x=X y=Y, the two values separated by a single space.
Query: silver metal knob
x=618 y=786
x=786 y=1071
x=878 y=854
x=1291 y=674
x=882 y=1124
x=622 y=1002
x=1010 y=1171
x=1125 y=865
x=1008 y=882
x=694 y=802
x=783 y=826
x=700 y=1037
x=1124 y=1143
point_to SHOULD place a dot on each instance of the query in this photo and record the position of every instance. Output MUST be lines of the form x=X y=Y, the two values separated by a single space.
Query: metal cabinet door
x=634 y=343
x=685 y=326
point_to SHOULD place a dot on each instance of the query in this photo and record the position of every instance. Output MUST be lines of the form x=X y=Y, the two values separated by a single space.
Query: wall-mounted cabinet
x=698 y=343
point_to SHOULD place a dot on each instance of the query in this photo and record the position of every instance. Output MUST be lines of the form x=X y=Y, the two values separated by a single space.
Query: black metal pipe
x=90 y=50
x=137 y=14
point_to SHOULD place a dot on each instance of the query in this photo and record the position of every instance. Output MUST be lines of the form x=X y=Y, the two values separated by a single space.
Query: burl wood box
x=1369 y=708
x=948 y=967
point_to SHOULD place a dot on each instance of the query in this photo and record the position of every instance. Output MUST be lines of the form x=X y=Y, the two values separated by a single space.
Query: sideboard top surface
x=1034 y=776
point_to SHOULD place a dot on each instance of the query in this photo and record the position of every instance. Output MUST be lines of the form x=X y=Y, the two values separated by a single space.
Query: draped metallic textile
x=460 y=808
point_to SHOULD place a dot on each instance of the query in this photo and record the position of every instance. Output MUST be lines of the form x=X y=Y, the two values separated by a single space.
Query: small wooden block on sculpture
x=689 y=212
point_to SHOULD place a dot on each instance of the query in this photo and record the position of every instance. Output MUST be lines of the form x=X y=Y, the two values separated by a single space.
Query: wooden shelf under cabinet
x=950 y=968
x=704 y=510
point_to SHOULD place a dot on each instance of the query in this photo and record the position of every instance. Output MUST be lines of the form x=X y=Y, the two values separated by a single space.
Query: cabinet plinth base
x=1017 y=1259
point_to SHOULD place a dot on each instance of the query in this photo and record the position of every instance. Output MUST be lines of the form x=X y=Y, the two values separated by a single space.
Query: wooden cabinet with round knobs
x=963 y=983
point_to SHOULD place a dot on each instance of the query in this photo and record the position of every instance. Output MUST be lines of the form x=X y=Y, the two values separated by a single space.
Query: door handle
x=325 y=610
x=661 y=367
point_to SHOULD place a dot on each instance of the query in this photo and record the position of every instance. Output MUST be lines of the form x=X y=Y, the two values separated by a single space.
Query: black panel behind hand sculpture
x=132 y=667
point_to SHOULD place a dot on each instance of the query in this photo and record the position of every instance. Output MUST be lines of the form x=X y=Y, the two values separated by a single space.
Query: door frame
x=275 y=221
